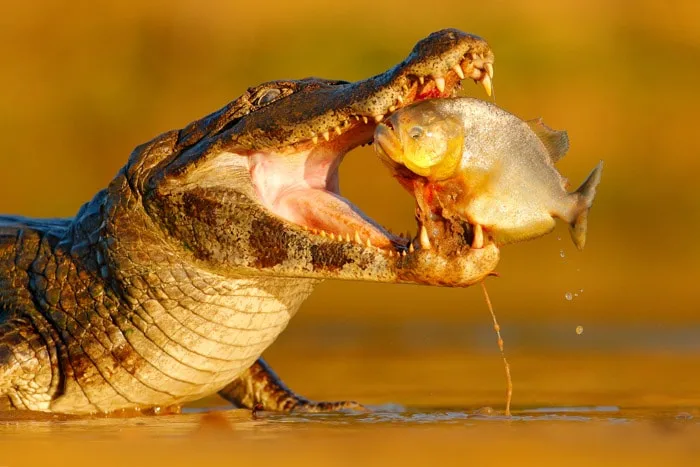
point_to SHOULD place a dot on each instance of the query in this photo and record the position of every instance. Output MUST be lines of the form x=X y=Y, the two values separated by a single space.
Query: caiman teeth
x=440 y=84
x=486 y=82
x=424 y=240
x=478 y=241
x=480 y=70
x=458 y=70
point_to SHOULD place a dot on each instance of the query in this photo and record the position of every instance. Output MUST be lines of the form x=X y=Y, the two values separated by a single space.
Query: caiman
x=170 y=283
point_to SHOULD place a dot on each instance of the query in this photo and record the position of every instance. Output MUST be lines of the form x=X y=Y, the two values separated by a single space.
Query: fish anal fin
x=555 y=141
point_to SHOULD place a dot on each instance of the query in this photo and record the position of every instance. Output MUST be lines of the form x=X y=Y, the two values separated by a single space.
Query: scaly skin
x=169 y=284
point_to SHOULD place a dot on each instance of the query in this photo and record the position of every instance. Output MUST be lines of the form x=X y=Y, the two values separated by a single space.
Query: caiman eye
x=268 y=96
x=416 y=132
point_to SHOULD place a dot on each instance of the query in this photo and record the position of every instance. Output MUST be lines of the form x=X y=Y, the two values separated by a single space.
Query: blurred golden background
x=83 y=83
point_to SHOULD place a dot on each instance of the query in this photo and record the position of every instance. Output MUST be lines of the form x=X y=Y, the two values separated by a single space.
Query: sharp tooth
x=392 y=108
x=424 y=240
x=326 y=135
x=358 y=240
x=391 y=252
x=440 y=84
x=486 y=82
x=404 y=88
x=332 y=236
x=364 y=119
x=410 y=248
x=403 y=252
x=314 y=139
x=478 y=241
x=337 y=130
x=421 y=80
x=347 y=236
x=399 y=100
x=458 y=69
x=323 y=233
x=489 y=69
x=378 y=118
x=369 y=244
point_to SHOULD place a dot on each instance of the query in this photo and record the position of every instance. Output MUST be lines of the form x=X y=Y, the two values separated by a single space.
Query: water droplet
x=579 y=330
x=580 y=291
x=559 y=238
x=562 y=254
x=575 y=295
x=568 y=296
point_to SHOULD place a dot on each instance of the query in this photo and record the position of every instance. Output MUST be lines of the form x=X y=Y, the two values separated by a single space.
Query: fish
x=487 y=166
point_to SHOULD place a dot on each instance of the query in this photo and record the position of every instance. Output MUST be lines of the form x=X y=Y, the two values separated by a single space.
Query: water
x=623 y=395
x=565 y=435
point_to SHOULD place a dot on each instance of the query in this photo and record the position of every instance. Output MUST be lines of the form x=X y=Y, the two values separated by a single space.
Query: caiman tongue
x=303 y=188
x=328 y=212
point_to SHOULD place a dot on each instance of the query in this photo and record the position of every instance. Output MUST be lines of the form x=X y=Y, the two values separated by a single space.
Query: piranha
x=468 y=158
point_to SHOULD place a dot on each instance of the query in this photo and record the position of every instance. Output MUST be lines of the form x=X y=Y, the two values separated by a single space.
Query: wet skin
x=170 y=283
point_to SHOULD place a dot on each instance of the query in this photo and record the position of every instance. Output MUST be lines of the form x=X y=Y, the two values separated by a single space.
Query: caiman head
x=253 y=188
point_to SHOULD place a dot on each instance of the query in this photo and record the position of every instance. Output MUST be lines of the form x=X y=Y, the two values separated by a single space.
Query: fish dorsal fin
x=555 y=141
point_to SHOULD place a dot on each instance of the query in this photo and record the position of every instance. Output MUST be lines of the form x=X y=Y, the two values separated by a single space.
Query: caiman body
x=169 y=284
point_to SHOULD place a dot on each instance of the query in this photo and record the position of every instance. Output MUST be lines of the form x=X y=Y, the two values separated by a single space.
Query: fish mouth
x=438 y=224
x=299 y=182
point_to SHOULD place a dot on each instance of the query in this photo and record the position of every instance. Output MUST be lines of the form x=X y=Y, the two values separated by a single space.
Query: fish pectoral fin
x=555 y=141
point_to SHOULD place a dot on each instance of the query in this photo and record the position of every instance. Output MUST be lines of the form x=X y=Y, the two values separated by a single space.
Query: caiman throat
x=169 y=284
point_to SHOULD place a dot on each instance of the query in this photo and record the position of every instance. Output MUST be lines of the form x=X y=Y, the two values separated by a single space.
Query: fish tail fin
x=585 y=193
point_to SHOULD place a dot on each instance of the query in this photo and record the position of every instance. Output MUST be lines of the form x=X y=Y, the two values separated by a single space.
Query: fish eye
x=416 y=132
x=268 y=96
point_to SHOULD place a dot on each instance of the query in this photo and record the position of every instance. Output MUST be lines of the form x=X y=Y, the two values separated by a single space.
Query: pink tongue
x=322 y=210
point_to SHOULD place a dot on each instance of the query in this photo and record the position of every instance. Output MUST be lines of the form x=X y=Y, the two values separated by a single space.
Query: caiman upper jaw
x=324 y=110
